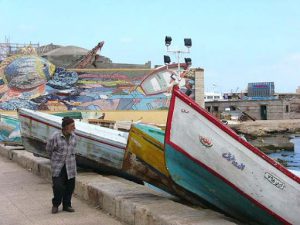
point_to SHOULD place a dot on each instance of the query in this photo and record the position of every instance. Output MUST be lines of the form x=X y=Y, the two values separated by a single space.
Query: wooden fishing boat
x=210 y=160
x=99 y=148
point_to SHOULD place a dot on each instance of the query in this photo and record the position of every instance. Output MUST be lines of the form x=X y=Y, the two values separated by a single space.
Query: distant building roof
x=42 y=50
x=67 y=50
x=212 y=96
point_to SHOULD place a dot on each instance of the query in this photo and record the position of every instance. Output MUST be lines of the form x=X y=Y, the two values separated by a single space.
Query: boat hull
x=105 y=146
x=144 y=159
x=147 y=147
x=209 y=159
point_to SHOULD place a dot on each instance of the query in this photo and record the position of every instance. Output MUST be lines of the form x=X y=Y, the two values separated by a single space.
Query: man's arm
x=49 y=146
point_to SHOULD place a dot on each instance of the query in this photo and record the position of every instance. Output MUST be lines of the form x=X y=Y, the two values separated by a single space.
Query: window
x=216 y=108
x=287 y=108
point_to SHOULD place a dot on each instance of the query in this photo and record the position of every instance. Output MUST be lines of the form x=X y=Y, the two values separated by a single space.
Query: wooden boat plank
x=148 y=148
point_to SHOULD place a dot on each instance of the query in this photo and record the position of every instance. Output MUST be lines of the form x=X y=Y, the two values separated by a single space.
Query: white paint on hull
x=247 y=171
x=97 y=143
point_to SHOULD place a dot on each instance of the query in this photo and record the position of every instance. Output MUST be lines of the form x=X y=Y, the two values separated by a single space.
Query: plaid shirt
x=62 y=152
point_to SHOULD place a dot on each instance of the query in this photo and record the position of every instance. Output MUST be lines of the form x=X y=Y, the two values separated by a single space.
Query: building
x=212 y=96
x=261 y=89
x=260 y=103
x=199 y=86
x=275 y=109
x=8 y=49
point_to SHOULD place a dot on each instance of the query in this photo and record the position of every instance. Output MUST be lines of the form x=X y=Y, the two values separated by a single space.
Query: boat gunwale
x=76 y=132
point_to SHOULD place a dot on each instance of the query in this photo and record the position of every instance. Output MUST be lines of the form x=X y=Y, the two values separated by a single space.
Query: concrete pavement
x=25 y=198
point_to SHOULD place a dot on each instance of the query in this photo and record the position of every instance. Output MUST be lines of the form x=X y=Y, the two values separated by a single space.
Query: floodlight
x=188 y=61
x=168 y=41
x=188 y=42
x=167 y=59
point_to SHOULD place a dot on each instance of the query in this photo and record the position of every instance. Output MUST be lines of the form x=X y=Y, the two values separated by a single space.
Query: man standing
x=61 y=149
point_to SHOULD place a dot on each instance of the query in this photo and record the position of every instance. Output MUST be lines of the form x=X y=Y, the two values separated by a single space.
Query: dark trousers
x=62 y=189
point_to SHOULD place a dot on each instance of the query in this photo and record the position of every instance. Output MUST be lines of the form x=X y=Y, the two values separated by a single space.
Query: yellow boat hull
x=147 y=149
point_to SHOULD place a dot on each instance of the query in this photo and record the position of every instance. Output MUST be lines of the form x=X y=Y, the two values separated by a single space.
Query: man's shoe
x=68 y=209
x=54 y=209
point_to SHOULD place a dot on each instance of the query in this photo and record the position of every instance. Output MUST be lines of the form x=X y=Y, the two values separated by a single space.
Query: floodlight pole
x=187 y=44
x=178 y=56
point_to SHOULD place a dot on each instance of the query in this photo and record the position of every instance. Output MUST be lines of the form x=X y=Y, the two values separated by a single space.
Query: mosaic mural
x=33 y=82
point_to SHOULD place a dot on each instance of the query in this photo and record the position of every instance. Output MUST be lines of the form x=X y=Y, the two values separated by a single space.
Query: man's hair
x=66 y=121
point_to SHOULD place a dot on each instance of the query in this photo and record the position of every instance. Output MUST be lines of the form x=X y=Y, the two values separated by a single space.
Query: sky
x=236 y=42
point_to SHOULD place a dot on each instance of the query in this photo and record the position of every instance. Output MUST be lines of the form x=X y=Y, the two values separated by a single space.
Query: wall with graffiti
x=33 y=82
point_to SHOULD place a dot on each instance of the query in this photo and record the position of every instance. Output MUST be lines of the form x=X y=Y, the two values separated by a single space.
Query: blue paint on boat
x=155 y=132
x=197 y=179
x=10 y=130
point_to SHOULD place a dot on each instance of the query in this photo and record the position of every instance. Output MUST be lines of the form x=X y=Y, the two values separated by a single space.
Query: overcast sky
x=235 y=41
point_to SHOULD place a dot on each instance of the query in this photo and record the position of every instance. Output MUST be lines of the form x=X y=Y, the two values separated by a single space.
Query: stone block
x=81 y=189
x=45 y=170
x=109 y=203
x=4 y=151
x=125 y=211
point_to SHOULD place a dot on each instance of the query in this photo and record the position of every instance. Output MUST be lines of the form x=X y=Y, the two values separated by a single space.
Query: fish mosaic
x=32 y=82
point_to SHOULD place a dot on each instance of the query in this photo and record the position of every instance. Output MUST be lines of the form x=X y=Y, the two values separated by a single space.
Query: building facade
x=284 y=106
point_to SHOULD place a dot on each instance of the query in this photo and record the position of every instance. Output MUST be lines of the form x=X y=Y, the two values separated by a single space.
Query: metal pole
x=178 y=61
